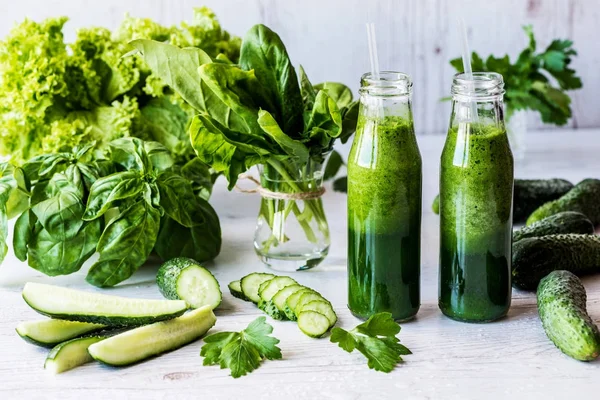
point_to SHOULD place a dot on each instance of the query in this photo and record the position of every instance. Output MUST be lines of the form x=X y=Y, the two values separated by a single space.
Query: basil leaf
x=159 y=155
x=54 y=257
x=107 y=191
x=178 y=199
x=177 y=67
x=131 y=154
x=264 y=52
x=21 y=236
x=60 y=215
x=53 y=164
x=125 y=245
x=340 y=93
x=3 y=229
x=292 y=147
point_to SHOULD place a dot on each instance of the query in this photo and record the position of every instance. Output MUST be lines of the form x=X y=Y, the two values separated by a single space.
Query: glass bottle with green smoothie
x=384 y=201
x=476 y=191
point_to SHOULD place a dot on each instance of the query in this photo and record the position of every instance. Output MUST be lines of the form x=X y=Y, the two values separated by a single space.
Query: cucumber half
x=251 y=282
x=235 y=289
x=70 y=354
x=313 y=323
x=151 y=340
x=50 y=332
x=185 y=279
x=322 y=307
x=75 y=305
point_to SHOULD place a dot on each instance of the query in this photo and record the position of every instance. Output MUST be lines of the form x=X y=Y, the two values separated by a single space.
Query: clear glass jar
x=384 y=201
x=476 y=192
x=292 y=233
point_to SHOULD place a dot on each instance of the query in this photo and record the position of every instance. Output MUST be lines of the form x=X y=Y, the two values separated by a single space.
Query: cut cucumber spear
x=184 y=279
x=150 y=340
x=76 y=305
x=70 y=354
x=50 y=332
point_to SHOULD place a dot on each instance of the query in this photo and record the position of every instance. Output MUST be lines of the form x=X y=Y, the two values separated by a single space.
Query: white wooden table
x=511 y=358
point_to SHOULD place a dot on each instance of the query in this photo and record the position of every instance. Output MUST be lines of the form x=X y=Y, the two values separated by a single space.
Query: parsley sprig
x=376 y=340
x=241 y=352
x=529 y=81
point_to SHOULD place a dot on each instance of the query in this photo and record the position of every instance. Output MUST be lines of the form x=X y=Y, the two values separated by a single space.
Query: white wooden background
x=416 y=36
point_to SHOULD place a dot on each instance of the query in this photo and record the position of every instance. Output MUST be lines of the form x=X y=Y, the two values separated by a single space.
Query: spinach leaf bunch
x=72 y=205
x=259 y=111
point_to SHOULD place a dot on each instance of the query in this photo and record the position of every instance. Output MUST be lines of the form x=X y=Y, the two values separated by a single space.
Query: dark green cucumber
x=564 y=222
x=583 y=198
x=182 y=278
x=529 y=194
x=235 y=288
x=71 y=354
x=147 y=341
x=562 y=306
x=534 y=258
x=76 y=305
x=50 y=332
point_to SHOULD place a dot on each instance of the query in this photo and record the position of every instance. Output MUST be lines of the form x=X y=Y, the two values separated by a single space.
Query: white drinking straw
x=466 y=57
x=373 y=50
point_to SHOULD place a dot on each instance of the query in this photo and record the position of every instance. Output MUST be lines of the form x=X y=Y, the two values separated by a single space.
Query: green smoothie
x=476 y=189
x=384 y=218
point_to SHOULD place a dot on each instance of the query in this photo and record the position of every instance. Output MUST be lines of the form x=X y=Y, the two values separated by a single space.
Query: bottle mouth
x=481 y=85
x=387 y=83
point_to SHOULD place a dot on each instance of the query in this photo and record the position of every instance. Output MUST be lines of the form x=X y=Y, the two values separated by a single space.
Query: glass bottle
x=476 y=192
x=384 y=201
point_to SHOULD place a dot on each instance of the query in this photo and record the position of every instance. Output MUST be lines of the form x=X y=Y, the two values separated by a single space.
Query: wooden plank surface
x=416 y=36
x=511 y=358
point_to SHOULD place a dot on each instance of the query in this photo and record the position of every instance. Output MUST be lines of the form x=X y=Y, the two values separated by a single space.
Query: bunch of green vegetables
x=56 y=95
x=123 y=206
x=527 y=81
x=258 y=112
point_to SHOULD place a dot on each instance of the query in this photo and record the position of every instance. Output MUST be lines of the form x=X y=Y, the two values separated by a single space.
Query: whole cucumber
x=561 y=302
x=534 y=258
x=564 y=222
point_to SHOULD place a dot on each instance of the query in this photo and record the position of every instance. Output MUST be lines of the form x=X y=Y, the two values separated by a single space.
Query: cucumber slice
x=280 y=297
x=313 y=324
x=185 y=279
x=76 y=305
x=292 y=300
x=322 y=307
x=251 y=282
x=151 y=340
x=307 y=298
x=70 y=354
x=50 y=332
x=235 y=289
x=267 y=290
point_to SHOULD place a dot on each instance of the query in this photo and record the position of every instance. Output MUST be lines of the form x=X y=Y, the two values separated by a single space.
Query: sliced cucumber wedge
x=151 y=340
x=307 y=298
x=70 y=354
x=75 y=305
x=313 y=324
x=251 y=282
x=267 y=290
x=292 y=301
x=322 y=307
x=280 y=297
x=235 y=289
x=50 y=332
x=185 y=279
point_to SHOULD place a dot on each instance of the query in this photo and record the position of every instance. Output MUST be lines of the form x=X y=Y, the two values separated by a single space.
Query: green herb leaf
x=375 y=339
x=241 y=352
x=333 y=166
x=293 y=148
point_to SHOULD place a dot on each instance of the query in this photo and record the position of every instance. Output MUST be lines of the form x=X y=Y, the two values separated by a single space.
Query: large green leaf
x=125 y=245
x=178 y=200
x=293 y=148
x=264 y=52
x=107 y=191
x=339 y=92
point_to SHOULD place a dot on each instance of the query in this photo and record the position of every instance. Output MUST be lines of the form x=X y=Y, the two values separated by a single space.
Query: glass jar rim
x=387 y=83
x=480 y=85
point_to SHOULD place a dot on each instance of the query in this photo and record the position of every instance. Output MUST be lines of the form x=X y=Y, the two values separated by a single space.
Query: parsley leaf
x=375 y=339
x=528 y=81
x=241 y=352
